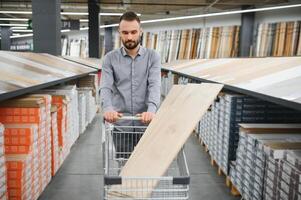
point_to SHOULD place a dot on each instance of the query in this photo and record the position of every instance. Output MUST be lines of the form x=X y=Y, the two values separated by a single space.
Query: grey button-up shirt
x=128 y=85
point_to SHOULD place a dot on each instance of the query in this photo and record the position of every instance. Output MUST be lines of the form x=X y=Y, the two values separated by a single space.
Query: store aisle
x=80 y=176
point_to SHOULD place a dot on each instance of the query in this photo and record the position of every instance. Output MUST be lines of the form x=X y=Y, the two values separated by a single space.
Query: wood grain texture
x=92 y=62
x=167 y=133
x=274 y=76
x=22 y=70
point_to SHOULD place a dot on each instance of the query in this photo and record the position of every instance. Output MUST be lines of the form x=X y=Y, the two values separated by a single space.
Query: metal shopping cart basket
x=174 y=185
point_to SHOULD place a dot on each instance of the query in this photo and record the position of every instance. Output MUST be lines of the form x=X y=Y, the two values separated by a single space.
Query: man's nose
x=130 y=36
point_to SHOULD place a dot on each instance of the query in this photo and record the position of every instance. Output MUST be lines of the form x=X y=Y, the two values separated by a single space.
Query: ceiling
x=149 y=9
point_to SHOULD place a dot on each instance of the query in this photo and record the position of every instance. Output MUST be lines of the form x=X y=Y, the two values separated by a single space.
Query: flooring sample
x=277 y=39
x=91 y=62
x=165 y=136
x=277 y=77
x=21 y=70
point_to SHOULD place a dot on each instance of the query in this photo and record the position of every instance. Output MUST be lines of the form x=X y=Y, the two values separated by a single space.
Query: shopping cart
x=174 y=185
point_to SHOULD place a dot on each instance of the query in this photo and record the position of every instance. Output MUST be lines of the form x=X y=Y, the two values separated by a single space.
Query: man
x=131 y=77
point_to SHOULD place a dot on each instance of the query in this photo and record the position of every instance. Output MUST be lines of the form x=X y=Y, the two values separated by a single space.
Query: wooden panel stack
x=212 y=42
x=55 y=148
x=278 y=39
x=61 y=101
x=260 y=145
x=3 y=172
x=27 y=147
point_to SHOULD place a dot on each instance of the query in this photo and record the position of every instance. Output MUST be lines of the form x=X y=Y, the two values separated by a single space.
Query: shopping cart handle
x=129 y=118
x=134 y=118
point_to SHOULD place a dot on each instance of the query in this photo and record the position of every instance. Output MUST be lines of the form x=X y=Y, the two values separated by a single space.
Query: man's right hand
x=112 y=116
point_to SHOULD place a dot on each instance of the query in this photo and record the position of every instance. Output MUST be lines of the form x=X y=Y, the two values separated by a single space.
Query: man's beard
x=131 y=44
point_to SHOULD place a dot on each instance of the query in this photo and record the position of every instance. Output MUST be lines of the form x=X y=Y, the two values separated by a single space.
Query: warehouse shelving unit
x=242 y=102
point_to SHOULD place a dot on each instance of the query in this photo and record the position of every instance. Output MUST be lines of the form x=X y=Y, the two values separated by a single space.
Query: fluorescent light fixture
x=18 y=28
x=74 y=13
x=22 y=31
x=211 y=14
x=22 y=36
x=24 y=25
x=101 y=14
x=31 y=34
x=65 y=30
x=109 y=25
x=15 y=12
x=83 y=20
x=84 y=28
x=63 y=13
x=14 y=19
x=221 y=13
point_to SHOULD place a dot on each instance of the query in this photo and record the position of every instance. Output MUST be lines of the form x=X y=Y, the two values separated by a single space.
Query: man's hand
x=112 y=116
x=146 y=117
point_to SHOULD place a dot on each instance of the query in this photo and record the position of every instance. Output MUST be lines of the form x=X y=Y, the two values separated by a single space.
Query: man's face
x=130 y=33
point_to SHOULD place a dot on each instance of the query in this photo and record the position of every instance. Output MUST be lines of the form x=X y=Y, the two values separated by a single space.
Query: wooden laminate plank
x=271 y=128
x=166 y=135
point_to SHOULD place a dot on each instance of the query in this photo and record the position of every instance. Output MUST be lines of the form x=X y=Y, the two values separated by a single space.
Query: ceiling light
x=65 y=30
x=63 y=13
x=222 y=13
x=22 y=31
x=15 y=12
x=24 y=25
x=18 y=27
x=14 y=19
x=83 y=20
x=21 y=36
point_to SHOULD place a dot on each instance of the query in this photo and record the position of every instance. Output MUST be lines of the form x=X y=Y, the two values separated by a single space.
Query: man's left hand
x=146 y=117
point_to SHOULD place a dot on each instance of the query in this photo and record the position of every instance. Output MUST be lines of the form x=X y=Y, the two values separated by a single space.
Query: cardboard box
x=30 y=102
x=20 y=134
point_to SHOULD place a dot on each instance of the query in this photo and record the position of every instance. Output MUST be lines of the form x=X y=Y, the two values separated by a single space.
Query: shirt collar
x=141 y=51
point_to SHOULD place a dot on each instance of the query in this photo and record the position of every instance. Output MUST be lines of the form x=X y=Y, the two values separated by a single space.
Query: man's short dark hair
x=129 y=16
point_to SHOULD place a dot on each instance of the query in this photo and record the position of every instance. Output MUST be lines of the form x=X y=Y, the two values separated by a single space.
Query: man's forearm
x=106 y=99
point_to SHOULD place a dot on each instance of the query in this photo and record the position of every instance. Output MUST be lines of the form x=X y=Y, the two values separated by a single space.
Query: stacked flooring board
x=82 y=105
x=56 y=161
x=39 y=132
x=219 y=128
x=3 y=177
x=278 y=39
x=282 y=176
x=72 y=116
x=78 y=46
x=263 y=168
x=213 y=42
x=24 y=70
x=27 y=145
x=90 y=110
x=39 y=128
x=277 y=77
x=164 y=137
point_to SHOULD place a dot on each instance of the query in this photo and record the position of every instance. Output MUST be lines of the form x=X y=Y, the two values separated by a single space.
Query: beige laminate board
x=91 y=62
x=167 y=133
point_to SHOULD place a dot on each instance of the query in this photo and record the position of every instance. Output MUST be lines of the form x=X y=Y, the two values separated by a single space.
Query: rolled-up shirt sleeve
x=154 y=83
x=107 y=81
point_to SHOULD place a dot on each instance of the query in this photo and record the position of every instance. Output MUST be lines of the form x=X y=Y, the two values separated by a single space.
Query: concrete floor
x=81 y=175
